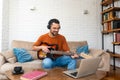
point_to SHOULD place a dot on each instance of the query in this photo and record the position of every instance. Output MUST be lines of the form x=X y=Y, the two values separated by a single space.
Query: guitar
x=41 y=54
x=53 y=50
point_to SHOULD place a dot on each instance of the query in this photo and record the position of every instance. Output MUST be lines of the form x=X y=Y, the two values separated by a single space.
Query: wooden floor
x=113 y=74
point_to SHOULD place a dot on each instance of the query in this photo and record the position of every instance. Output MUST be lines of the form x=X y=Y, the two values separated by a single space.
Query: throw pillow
x=22 y=55
x=81 y=49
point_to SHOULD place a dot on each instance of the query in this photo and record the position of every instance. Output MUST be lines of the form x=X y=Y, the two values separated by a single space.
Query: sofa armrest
x=2 y=60
x=96 y=52
x=105 y=62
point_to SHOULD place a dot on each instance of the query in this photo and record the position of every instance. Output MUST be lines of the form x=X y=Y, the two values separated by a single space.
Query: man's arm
x=65 y=46
x=36 y=48
x=43 y=48
x=73 y=56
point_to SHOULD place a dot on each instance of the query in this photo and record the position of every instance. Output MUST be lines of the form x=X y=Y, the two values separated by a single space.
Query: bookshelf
x=111 y=25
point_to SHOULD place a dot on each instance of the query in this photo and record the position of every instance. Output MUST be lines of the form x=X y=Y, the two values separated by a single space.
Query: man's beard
x=54 y=33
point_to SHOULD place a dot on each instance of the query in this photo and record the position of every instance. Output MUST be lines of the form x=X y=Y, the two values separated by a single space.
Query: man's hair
x=52 y=21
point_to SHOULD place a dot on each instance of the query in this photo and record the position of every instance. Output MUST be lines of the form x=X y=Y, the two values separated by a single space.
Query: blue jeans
x=62 y=61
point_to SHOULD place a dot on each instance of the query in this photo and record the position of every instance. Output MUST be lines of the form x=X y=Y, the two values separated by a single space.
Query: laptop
x=86 y=67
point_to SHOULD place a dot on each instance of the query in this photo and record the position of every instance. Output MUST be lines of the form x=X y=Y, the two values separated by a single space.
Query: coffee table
x=57 y=74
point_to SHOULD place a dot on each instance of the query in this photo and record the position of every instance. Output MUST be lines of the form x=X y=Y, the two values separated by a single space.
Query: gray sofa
x=8 y=60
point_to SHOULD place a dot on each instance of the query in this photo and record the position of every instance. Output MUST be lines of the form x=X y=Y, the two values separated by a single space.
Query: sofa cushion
x=9 y=56
x=3 y=77
x=22 y=44
x=35 y=64
x=22 y=55
x=74 y=44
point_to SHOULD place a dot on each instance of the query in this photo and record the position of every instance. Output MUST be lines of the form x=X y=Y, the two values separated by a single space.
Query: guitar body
x=41 y=55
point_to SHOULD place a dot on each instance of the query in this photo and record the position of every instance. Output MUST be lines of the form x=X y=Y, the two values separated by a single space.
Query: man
x=54 y=38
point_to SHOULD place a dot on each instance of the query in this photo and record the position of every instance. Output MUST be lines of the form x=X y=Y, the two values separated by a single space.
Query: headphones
x=48 y=26
x=52 y=21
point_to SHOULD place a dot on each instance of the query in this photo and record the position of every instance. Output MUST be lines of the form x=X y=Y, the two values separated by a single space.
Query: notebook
x=86 y=67
x=33 y=75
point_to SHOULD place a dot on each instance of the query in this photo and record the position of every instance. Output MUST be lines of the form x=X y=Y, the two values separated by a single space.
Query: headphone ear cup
x=48 y=26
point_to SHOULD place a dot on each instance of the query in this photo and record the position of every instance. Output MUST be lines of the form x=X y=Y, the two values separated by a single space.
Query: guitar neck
x=61 y=52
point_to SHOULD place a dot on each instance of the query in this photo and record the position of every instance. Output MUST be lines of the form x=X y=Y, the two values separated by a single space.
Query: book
x=105 y=27
x=117 y=37
x=108 y=26
x=33 y=75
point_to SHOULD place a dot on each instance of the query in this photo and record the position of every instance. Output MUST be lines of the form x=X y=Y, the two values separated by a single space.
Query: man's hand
x=75 y=56
x=45 y=49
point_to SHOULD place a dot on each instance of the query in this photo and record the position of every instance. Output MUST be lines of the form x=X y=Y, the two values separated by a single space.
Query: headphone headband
x=52 y=21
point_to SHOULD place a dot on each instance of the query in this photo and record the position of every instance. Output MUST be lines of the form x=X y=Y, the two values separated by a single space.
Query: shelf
x=110 y=31
x=111 y=9
x=116 y=55
x=115 y=30
x=107 y=2
x=116 y=43
x=114 y=19
x=106 y=32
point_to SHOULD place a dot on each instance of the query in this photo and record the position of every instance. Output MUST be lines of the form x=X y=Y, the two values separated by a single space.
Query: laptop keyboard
x=74 y=73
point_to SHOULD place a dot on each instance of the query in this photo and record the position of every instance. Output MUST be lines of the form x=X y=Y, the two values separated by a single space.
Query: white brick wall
x=5 y=25
x=28 y=25
x=1 y=25
x=20 y=23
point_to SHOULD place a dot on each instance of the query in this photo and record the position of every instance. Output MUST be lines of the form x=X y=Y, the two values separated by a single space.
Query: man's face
x=54 y=29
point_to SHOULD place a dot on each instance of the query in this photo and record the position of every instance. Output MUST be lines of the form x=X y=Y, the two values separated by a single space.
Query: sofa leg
x=107 y=73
